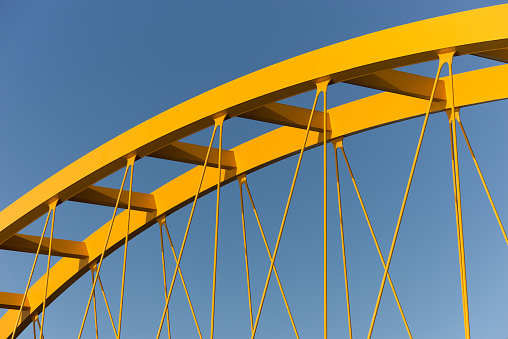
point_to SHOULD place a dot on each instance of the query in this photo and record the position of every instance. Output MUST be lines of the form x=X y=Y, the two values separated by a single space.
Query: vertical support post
x=220 y=123
x=33 y=323
x=452 y=117
x=336 y=144
x=241 y=181
x=161 y=221
x=322 y=87
x=52 y=208
x=94 y=309
x=130 y=163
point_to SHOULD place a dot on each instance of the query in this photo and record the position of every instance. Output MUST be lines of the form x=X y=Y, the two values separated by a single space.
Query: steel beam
x=195 y=154
x=387 y=49
x=106 y=196
x=12 y=301
x=287 y=115
x=500 y=55
x=60 y=247
x=404 y=83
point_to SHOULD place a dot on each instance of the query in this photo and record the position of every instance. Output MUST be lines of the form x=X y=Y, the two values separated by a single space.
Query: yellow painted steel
x=219 y=123
x=445 y=57
x=162 y=222
x=336 y=144
x=320 y=87
x=95 y=310
x=323 y=87
x=466 y=32
x=94 y=270
x=377 y=52
x=243 y=180
x=127 y=216
x=20 y=312
x=130 y=164
x=52 y=208
x=481 y=177
x=341 y=146
x=195 y=199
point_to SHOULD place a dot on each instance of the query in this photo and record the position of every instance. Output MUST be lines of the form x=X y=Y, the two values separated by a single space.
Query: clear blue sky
x=75 y=74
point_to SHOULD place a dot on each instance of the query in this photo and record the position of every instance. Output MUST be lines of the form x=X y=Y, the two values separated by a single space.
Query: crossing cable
x=443 y=58
x=320 y=87
x=341 y=146
x=94 y=269
x=163 y=222
x=95 y=310
x=105 y=245
x=35 y=318
x=130 y=162
x=160 y=221
x=51 y=209
x=244 y=182
x=187 y=228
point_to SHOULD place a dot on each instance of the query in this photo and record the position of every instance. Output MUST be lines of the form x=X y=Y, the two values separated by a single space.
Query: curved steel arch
x=467 y=32
x=376 y=52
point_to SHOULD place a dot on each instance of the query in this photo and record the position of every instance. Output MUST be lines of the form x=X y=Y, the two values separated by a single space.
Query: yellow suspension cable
x=325 y=219
x=375 y=239
x=130 y=163
x=458 y=209
x=95 y=310
x=187 y=230
x=241 y=180
x=39 y=322
x=270 y=256
x=442 y=59
x=31 y=274
x=160 y=221
x=106 y=302
x=481 y=177
x=52 y=206
x=319 y=90
x=103 y=250
x=220 y=122
x=183 y=281
x=335 y=144
x=33 y=323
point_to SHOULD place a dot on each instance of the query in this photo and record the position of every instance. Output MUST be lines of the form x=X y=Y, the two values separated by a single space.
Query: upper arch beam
x=466 y=32
x=471 y=88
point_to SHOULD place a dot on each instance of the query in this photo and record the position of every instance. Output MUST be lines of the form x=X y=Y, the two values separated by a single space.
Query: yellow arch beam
x=351 y=118
x=468 y=32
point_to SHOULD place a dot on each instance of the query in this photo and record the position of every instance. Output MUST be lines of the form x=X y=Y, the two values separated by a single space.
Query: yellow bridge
x=369 y=61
